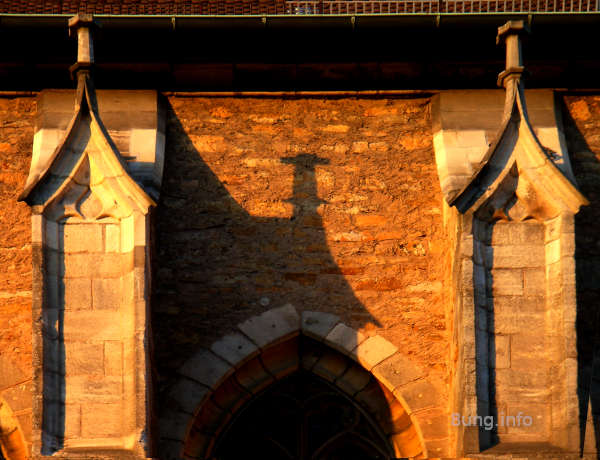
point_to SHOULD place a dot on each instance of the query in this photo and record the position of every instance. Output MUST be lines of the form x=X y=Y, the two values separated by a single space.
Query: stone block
x=330 y=366
x=187 y=395
x=77 y=293
x=230 y=395
x=234 y=348
x=210 y=417
x=18 y=396
x=529 y=418
x=101 y=420
x=127 y=234
x=500 y=234
x=51 y=238
x=534 y=282
x=373 y=350
x=507 y=282
x=175 y=424
x=419 y=395
x=72 y=420
x=53 y=292
x=112 y=238
x=282 y=359
x=397 y=370
x=107 y=294
x=113 y=358
x=94 y=388
x=433 y=423
x=344 y=339
x=84 y=358
x=406 y=444
x=526 y=233
x=519 y=256
x=207 y=368
x=271 y=326
x=500 y=352
x=318 y=324
x=95 y=265
x=353 y=380
x=553 y=251
x=82 y=238
x=483 y=254
x=253 y=377
x=82 y=326
x=197 y=443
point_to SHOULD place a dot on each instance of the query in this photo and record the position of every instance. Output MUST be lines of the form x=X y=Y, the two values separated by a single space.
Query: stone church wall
x=241 y=228
x=330 y=204
x=17 y=119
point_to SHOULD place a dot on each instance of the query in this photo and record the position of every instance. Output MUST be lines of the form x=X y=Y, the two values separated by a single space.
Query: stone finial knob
x=83 y=24
x=510 y=33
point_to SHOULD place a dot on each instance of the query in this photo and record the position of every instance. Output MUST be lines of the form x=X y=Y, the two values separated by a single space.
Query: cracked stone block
x=397 y=370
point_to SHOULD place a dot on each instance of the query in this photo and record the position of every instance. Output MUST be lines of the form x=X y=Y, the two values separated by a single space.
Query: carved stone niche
x=95 y=176
x=514 y=198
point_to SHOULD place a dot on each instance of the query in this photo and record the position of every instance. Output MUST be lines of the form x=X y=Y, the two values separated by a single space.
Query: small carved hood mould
x=85 y=177
x=517 y=179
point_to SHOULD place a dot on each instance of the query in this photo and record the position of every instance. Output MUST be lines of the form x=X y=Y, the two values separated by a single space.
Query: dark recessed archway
x=303 y=417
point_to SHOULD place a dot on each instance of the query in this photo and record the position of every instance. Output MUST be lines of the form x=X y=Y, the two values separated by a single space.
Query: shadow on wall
x=586 y=167
x=218 y=265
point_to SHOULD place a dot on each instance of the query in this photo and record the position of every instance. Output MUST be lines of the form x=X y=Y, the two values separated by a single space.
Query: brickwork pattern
x=329 y=204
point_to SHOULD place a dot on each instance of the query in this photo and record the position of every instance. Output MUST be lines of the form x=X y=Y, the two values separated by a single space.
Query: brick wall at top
x=16 y=140
x=328 y=204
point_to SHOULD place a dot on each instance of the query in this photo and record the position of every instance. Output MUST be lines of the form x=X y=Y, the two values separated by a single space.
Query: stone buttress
x=506 y=177
x=91 y=196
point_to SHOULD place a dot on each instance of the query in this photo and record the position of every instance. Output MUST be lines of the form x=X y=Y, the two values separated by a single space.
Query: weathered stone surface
x=330 y=366
x=234 y=348
x=318 y=324
x=353 y=380
x=419 y=395
x=397 y=370
x=271 y=326
x=187 y=395
x=372 y=351
x=344 y=338
x=206 y=367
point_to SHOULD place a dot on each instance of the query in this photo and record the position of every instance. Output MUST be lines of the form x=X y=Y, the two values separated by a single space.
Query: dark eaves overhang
x=353 y=21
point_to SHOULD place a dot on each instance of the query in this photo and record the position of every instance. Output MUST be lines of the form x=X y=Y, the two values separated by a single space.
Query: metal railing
x=342 y=7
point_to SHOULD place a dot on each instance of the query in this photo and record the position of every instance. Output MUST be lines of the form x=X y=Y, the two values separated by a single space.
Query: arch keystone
x=272 y=326
x=317 y=324
x=344 y=338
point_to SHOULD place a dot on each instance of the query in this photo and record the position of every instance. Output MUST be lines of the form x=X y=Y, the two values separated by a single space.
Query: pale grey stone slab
x=318 y=324
x=272 y=325
x=234 y=348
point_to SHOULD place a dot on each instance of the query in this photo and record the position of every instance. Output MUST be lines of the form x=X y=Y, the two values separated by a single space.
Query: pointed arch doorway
x=303 y=417
x=294 y=387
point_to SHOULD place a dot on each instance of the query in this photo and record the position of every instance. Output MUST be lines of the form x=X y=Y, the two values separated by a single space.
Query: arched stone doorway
x=303 y=417
x=397 y=413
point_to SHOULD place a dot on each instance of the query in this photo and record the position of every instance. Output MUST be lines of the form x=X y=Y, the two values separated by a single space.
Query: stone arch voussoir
x=205 y=378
